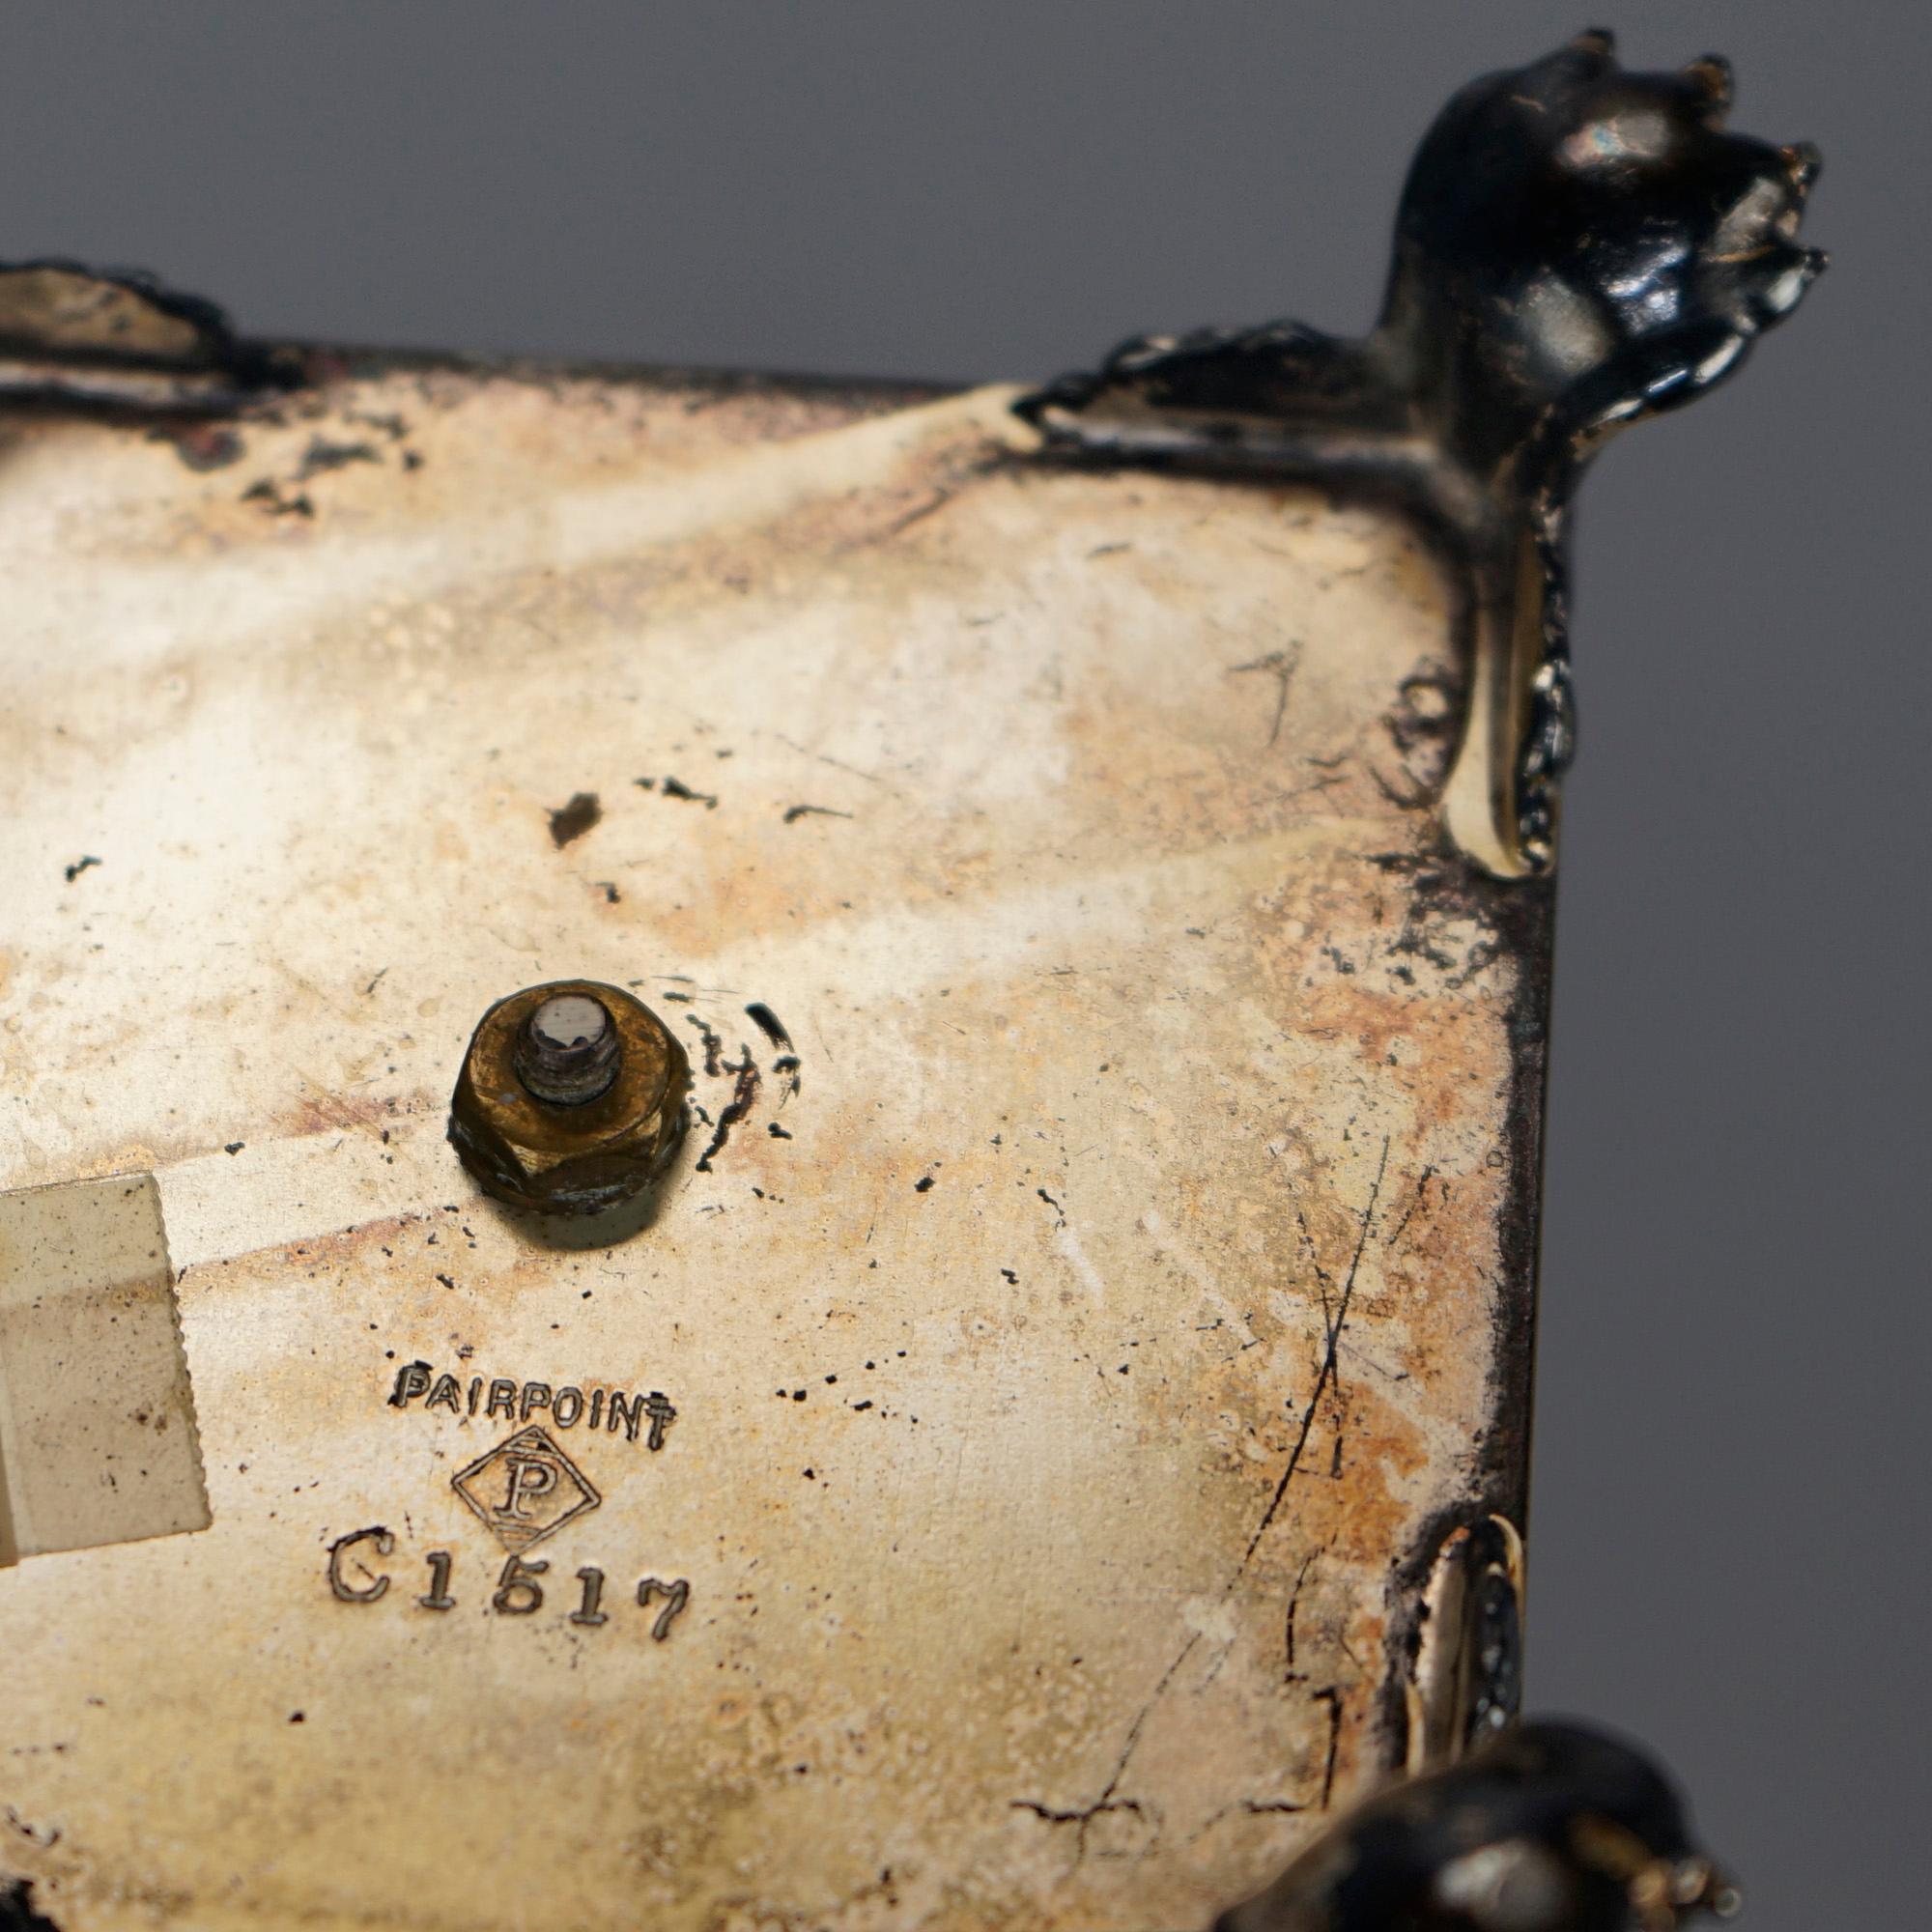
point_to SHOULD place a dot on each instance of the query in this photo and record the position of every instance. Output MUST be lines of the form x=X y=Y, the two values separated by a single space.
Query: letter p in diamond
x=525 y=1488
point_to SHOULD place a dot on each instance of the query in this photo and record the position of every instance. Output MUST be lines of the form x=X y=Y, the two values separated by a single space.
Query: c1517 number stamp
x=355 y=1577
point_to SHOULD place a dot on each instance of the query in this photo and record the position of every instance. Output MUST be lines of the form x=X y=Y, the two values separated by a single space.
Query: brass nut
x=565 y=1156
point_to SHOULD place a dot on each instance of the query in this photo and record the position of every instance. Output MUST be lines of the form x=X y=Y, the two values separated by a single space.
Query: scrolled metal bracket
x=1577 y=246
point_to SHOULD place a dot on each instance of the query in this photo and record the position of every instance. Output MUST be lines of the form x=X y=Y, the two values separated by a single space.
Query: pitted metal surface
x=1100 y=1255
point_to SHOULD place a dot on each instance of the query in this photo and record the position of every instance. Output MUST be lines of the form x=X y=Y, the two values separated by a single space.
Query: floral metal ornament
x=1577 y=246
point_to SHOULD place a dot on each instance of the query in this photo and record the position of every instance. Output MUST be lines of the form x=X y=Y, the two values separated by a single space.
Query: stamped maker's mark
x=525 y=1489
x=522 y=1490
x=609 y=1410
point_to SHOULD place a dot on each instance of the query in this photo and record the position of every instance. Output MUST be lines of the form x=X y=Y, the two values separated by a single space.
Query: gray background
x=1730 y=1508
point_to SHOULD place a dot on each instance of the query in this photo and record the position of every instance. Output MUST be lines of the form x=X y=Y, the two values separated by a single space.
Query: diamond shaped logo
x=525 y=1489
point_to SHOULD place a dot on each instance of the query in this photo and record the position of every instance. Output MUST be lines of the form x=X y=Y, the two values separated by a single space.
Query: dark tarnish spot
x=786 y=1064
x=268 y=493
x=391 y=422
x=714 y=1046
x=677 y=788
x=17 y=1909
x=744 y=1098
x=769 y=1024
x=573 y=820
x=322 y=455
x=202 y=446
x=794 y=812
x=80 y=865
